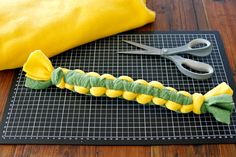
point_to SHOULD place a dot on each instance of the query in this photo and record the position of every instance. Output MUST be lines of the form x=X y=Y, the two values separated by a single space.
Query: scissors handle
x=190 y=48
x=195 y=65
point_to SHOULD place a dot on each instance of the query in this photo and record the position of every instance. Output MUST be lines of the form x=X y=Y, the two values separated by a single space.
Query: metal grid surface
x=61 y=116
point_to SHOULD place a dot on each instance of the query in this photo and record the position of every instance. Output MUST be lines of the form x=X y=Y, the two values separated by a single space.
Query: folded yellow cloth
x=58 y=25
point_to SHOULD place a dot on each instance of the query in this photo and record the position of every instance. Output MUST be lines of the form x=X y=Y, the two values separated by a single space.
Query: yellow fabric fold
x=54 y=26
x=38 y=66
x=198 y=100
x=222 y=88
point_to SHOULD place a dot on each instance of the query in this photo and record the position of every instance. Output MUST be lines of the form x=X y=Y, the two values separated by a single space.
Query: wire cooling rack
x=55 y=116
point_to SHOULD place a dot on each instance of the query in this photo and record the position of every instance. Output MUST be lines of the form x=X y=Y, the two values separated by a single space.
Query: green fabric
x=75 y=78
x=118 y=84
x=109 y=84
x=220 y=106
x=70 y=77
x=30 y=83
x=56 y=76
x=151 y=91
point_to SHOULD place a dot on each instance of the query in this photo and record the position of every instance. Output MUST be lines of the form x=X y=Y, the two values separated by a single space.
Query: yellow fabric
x=68 y=86
x=79 y=89
x=186 y=108
x=171 y=88
x=65 y=70
x=222 y=88
x=108 y=76
x=141 y=81
x=198 y=100
x=129 y=95
x=44 y=69
x=93 y=74
x=80 y=71
x=110 y=92
x=126 y=78
x=96 y=91
x=156 y=84
x=61 y=85
x=126 y=94
x=156 y=100
x=38 y=66
x=159 y=101
x=143 y=98
x=113 y=93
x=58 y=25
x=170 y=104
x=185 y=93
x=173 y=106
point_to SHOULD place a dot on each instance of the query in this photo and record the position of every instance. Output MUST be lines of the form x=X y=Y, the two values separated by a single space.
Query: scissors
x=204 y=71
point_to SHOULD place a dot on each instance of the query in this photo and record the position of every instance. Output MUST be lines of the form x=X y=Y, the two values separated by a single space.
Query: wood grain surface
x=171 y=15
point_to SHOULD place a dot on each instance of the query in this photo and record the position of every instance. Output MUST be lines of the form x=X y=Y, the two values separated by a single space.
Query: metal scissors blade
x=150 y=48
x=141 y=52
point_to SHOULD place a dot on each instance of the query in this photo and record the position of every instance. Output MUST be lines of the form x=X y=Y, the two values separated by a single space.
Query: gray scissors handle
x=195 y=65
x=190 y=49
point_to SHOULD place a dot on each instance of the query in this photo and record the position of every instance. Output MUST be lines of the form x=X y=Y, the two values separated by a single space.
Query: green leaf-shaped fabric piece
x=30 y=83
x=220 y=106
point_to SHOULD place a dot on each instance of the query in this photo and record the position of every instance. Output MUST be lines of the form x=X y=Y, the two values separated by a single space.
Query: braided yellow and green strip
x=40 y=74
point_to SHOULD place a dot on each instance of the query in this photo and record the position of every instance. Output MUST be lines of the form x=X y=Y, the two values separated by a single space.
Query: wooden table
x=171 y=15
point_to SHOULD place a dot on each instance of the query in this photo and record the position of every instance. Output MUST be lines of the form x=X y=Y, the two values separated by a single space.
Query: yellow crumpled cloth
x=58 y=25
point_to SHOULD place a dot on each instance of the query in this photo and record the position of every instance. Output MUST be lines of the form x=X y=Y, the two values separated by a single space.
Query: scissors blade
x=141 y=45
x=140 y=52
